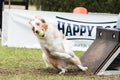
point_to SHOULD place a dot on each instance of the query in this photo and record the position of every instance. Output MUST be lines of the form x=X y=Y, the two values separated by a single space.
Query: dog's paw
x=48 y=67
x=84 y=68
x=63 y=71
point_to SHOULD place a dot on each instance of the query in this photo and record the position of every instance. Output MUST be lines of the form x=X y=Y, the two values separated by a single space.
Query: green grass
x=20 y=57
x=45 y=77
x=27 y=64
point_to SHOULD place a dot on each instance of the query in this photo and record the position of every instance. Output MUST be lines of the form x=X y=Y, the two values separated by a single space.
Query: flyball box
x=103 y=56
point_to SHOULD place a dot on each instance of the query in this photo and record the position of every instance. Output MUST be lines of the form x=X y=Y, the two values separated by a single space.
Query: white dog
x=56 y=53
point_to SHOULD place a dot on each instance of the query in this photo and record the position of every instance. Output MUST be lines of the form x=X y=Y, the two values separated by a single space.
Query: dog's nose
x=37 y=31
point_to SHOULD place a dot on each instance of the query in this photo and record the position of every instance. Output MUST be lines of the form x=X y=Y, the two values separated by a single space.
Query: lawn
x=27 y=64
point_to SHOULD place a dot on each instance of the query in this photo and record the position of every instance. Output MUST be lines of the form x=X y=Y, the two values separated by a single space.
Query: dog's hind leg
x=78 y=63
x=83 y=68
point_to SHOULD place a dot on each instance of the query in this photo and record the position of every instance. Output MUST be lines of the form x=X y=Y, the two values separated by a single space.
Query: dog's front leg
x=47 y=63
x=63 y=70
x=61 y=55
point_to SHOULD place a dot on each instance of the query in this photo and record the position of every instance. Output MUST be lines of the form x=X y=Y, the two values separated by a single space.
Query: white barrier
x=79 y=28
x=118 y=22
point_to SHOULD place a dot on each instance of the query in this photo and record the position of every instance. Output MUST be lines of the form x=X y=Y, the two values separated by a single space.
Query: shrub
x=106 y=6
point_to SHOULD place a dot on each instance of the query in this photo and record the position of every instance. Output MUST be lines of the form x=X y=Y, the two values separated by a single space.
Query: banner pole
x=9 y=4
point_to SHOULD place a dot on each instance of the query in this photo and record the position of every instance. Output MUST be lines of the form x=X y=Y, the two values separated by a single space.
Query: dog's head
x=38 y=24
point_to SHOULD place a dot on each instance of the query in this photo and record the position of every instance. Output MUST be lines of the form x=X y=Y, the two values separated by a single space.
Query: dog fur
x=56 y=50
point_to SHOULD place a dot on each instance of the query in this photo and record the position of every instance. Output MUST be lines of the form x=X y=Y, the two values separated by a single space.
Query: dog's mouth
x=40 y=33
x=37 y=32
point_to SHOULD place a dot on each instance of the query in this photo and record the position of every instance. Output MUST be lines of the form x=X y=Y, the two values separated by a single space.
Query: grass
x=27 y=64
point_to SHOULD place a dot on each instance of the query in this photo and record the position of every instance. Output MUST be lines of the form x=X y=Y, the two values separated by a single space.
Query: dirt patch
x=53 y=72
x=41 y=71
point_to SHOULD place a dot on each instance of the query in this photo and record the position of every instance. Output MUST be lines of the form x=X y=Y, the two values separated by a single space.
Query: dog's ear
x=33 y=29
x=43 y=21
x=45 y=26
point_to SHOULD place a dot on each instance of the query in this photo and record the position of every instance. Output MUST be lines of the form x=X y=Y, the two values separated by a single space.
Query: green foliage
x=37 y=3
x=59 y=5
x=106 y=6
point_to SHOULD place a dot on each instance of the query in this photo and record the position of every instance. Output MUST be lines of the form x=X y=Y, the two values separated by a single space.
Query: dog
x=56 y=51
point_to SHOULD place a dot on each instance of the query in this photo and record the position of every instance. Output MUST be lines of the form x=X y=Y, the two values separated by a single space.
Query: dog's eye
x=37 y=24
